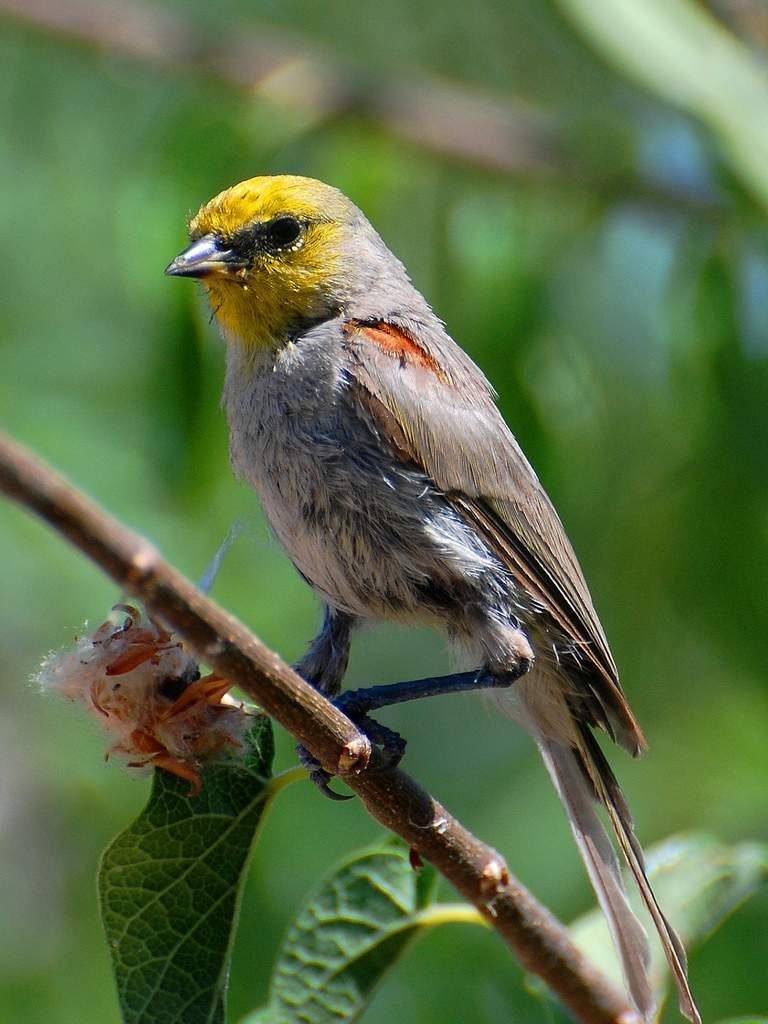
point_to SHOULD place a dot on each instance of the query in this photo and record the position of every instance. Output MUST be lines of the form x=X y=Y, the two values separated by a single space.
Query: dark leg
x=355 y=703
x=324 y=666
x=325 y=662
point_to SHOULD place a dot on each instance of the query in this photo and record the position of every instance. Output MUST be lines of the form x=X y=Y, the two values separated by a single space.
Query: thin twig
x=540 y=942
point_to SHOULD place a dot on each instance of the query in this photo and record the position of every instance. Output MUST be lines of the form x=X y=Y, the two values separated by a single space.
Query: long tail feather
x=608 y=792
x=577 y=794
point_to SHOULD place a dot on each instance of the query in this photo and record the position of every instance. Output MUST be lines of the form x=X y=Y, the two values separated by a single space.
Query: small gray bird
x=397 y=489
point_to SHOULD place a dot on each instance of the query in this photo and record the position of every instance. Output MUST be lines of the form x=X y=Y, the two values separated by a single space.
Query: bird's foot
x=390 y=743
x=319 y=776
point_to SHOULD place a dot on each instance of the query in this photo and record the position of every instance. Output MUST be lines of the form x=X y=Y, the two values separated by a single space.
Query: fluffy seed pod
x=147 y=694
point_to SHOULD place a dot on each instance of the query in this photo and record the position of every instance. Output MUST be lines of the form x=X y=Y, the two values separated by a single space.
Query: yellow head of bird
x=271 y=253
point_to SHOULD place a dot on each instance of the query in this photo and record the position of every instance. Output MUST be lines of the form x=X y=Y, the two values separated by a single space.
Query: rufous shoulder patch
x=395 y=342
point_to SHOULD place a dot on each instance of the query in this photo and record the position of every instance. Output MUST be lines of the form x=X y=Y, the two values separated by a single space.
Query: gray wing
x=426 y=397
x=438 y=410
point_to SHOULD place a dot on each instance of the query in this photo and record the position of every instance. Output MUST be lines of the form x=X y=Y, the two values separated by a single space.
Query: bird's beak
x=203 y=257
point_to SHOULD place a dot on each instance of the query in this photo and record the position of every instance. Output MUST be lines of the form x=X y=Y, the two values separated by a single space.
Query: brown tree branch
x=540 y=942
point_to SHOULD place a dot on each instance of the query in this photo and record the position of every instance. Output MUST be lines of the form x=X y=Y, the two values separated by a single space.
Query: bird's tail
x=583 y=779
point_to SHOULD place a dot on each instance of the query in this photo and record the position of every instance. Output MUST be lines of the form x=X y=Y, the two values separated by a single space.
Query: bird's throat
x=248 y=316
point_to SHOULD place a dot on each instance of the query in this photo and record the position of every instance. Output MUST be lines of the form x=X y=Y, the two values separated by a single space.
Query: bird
x=388 y=474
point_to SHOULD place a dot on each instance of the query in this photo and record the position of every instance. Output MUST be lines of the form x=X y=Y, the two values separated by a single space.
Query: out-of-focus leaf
x=745 y=1020
x=170 y=889
x=699 y=882
x=345 y=938
x=680 y=52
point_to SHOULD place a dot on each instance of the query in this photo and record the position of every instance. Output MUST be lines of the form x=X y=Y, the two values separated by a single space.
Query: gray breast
x=372 y=535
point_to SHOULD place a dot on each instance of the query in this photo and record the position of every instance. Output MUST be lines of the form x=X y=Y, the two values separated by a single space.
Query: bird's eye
x=282 y=231
x=265 y=237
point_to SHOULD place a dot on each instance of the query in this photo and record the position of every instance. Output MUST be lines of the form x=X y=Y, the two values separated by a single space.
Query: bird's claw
x=390 y=743
x=319 y=776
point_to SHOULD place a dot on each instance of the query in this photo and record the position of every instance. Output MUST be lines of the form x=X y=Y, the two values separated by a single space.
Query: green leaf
x=699 y=882
x=170 y=887
x=345 y=938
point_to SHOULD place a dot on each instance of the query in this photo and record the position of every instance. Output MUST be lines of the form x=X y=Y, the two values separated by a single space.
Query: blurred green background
x=606 y=265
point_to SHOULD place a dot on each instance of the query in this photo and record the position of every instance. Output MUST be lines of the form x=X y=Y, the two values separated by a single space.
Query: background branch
x=450 y=119
x=540 y=942
x=447 y=118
